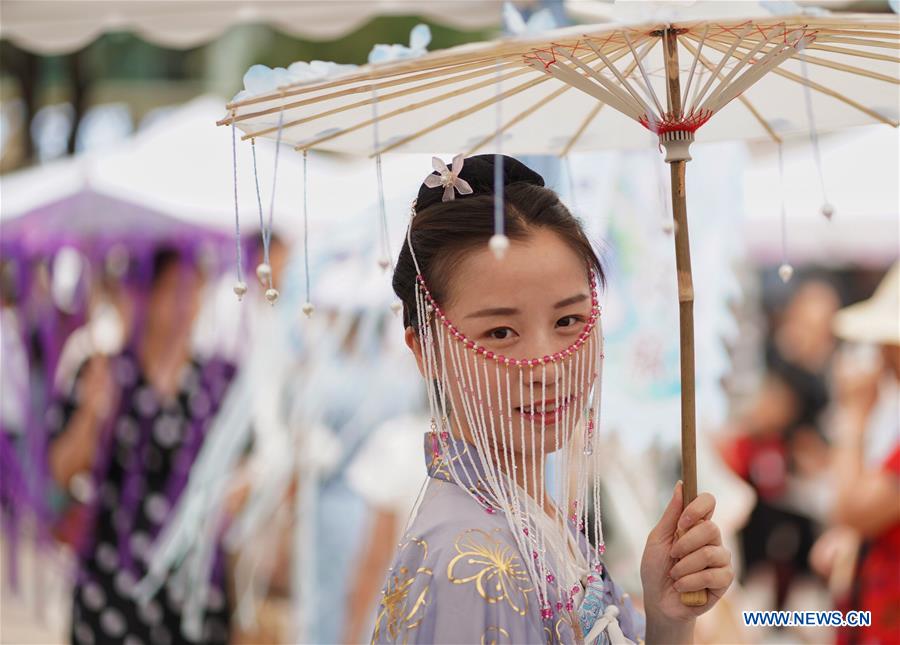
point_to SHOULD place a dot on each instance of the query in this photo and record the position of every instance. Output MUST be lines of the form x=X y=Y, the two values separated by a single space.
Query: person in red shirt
x=867 y=496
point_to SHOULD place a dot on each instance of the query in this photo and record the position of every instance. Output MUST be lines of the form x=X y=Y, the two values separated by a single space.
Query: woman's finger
x=699 y=536
x=718 y=578
x=700 y=509
x=707 y=557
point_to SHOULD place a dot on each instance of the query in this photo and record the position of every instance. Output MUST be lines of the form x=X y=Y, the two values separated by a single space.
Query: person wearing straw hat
x=867 y=498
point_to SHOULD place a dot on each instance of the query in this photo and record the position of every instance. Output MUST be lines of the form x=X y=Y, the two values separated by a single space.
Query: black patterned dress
x=141 y=468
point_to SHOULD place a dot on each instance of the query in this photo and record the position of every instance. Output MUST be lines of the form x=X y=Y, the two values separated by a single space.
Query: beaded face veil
x=518 y=433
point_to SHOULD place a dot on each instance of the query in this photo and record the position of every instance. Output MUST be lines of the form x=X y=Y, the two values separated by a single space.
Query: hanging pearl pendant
x=785 y=271
x=264 y=274
x=827 y=210
x=272 y=295
x=384 y=263
x=498 y=244
x=308 y=309
x=240 y=288
x=396 y=307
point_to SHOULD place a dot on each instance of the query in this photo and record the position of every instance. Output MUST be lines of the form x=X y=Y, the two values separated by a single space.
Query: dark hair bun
x=478 y=170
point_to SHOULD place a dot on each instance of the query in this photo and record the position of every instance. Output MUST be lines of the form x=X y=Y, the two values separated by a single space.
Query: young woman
x=133 y=426
x=506 y=332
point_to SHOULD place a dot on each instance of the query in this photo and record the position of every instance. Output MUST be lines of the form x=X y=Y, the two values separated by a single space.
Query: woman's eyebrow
x=570 y=301
x=496 y=311
x=511 y=311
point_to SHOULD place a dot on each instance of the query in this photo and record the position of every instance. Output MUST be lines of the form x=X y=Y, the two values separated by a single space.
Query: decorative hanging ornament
x=264 y=274
x=240 y=288
x=384 y=263
x=272 y=295
x=499 y=243
x=308 y=309
x=785 y=272
x=828 y=210
x=396 y=307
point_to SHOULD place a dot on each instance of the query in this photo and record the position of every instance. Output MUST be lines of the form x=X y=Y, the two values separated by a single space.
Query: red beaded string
x=516 y=362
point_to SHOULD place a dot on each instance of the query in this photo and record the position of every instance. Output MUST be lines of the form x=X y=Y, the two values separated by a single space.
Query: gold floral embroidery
x=439 y=466
x=495 y=568
x=566 y=628
x=399 y=611
x=493 y=634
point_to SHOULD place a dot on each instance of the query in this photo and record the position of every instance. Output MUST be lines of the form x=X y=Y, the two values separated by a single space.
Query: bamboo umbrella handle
x=686 y=327
x=685 y=299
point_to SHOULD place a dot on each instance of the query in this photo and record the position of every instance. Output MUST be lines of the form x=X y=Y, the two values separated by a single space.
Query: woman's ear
x=412 y=341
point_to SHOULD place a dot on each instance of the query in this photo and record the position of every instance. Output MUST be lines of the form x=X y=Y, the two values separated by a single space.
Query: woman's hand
x=684 y=552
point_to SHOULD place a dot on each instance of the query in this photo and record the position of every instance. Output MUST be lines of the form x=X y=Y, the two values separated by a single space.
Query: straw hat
x=876 y=320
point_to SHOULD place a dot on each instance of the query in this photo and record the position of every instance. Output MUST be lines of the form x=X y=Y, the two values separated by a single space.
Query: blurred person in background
x=866 y=463
x=124 y=441
x=388 y=474
x=778 y=444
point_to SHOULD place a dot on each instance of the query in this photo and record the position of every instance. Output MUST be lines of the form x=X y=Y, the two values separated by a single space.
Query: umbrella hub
x=677 y=144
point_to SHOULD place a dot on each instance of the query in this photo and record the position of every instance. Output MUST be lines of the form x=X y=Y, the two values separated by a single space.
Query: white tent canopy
x=860 y=166
x=61 y=26
x=182 y=165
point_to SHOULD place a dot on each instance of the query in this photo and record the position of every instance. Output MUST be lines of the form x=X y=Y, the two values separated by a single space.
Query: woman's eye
x=501 y=333
x=568 y=321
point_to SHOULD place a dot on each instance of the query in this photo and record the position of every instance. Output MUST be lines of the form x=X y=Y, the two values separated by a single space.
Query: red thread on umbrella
x=545 y=63
x=731 y=30
x=668 y=122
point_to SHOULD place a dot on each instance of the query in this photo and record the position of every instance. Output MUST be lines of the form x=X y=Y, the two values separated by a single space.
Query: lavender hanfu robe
x=458 y=577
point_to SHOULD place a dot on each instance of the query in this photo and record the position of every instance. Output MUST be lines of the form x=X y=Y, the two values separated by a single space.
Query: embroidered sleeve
x=472 y=588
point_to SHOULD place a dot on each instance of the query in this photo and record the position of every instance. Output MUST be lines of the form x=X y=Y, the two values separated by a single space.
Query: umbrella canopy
x=577 y=88
x=61 y=26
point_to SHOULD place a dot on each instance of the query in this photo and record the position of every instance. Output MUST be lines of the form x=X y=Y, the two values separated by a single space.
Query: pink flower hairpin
x=448 y=179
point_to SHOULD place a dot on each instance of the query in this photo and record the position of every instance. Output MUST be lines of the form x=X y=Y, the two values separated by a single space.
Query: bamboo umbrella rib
x=843 y=67
x=386 y=97
x=743 y=99
x=638 y=57
x=371 y=74
x=742 y=62
x=543 y=101
x=648 y=86
x=771 y=60
x=464 y=113
x=461 y=56
x=402 y=110
x=368 y=88
x=581 y=128
x=864 y=34
x=721 y=64
x=616 y=90
x=599 y=106
x=821 y=37
x=687 y=87
x=838 y=50
x=855 y=52
x=859 y=71
x=824 y=90
x=426 y=64
x=826 y=38
x=569 y=76
x=531 y=109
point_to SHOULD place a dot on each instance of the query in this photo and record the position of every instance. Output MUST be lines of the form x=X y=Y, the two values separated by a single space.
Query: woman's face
x=533 y=303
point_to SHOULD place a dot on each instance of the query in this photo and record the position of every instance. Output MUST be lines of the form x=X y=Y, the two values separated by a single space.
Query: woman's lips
x=547 y=412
